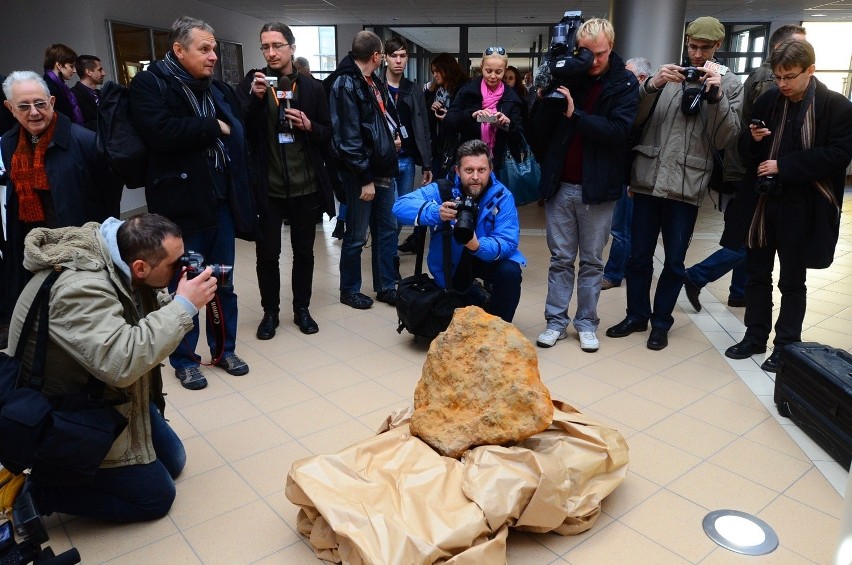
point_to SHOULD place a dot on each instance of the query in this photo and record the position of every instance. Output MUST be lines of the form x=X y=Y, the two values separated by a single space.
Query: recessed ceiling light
x=740 y=532
x=817 y=15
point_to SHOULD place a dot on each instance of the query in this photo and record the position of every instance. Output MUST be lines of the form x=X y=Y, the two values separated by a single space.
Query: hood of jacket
x=77 y=248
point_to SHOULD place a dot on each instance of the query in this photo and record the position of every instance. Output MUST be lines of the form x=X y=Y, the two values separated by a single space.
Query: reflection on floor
x=703 y=431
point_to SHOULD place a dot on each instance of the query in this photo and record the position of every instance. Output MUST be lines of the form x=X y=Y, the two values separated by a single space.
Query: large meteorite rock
x=480 y=386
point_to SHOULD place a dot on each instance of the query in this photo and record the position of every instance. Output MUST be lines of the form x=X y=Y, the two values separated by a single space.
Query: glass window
x=318 y=44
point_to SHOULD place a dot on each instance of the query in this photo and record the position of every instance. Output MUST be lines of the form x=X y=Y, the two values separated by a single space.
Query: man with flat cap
x=689 y=111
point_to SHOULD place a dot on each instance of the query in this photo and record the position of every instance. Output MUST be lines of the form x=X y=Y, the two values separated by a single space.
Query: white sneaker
x=549 y=337
x=589 y=341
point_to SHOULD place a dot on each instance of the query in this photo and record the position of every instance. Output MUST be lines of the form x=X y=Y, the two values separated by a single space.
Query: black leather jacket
x=360 y=133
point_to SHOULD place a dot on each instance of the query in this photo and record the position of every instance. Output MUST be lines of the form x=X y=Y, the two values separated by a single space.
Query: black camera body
x=193 y=263
x=691 y=74
x=466 y=215
x=768 y=185
x=30 y=530
x=563 y=60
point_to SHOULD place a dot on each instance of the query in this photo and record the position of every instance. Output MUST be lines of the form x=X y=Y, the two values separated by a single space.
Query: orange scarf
x=29 y=174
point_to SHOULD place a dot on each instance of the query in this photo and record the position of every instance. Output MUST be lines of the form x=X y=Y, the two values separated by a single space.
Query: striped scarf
x=29 y=173
x=757 y=230
x=202 y=108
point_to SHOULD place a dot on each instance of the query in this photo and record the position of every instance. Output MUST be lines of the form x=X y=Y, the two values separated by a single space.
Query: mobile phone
x=758 y=123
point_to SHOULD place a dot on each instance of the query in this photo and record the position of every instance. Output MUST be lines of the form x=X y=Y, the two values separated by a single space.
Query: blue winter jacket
x=497 y=227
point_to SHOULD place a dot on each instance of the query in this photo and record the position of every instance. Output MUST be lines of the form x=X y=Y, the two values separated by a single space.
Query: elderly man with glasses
x=54 y=177
x=690 y=111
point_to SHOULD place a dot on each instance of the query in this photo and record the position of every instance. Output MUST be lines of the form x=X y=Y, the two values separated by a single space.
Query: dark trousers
x=758 y=315
x=303 y=213
x=504 y=284
x=675 y=221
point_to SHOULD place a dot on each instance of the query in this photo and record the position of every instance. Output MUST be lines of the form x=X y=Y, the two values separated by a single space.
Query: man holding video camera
x=197 y=174
x=288 y=127
x=482 y=214
x=689 y=112
x=108 y=322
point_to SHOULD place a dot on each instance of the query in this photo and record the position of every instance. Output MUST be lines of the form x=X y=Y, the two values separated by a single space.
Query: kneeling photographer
x=798 y=146
x=482 y=214
x=108 y=332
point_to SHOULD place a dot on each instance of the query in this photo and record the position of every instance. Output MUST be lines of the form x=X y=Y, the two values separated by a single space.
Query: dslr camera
x=193 y=263
x=563 y=59
x=466 y=213
x=768 y=185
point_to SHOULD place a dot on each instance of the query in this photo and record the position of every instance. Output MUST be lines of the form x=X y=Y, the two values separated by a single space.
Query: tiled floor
x=703 y=431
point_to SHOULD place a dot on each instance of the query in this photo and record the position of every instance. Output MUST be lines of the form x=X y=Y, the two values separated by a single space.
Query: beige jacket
x=95 y=328
x=674 y=157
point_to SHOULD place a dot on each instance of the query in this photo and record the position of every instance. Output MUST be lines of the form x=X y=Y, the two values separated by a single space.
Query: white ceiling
x=526 y=12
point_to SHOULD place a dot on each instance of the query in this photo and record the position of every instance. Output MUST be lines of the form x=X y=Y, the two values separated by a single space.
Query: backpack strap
x=40 y=307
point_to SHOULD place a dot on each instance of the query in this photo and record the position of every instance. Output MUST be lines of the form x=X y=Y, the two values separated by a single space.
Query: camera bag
x=63 y=439
x=425 y=309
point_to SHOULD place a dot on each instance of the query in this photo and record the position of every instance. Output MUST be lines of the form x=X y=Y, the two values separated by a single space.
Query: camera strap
x=216 y=324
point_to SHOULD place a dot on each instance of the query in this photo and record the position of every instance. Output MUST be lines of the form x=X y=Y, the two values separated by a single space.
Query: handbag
x=425 y=309
x=10 y=487
x=64 y=439
x=521 y=177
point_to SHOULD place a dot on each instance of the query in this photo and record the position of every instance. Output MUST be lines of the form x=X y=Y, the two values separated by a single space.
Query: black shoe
x=387 y=296
x=339 y=228
x=771 y=363
x=692 y=292
x=266 y=329
x=745 y=349
x=626 y=327
x=409 y=245
x=659 y=339
x=302 y=318
x=356 y=300
x=736 y=302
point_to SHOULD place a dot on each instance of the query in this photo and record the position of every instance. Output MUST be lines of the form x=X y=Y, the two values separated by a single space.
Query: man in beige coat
x=107 y=321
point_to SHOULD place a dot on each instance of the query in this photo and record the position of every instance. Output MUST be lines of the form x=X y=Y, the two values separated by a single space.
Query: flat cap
x=707 y=28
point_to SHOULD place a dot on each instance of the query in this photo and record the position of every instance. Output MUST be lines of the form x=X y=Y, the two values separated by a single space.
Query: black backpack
x=117 y=139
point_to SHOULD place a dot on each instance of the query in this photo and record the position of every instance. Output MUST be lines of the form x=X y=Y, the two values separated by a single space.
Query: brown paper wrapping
x=393 y=499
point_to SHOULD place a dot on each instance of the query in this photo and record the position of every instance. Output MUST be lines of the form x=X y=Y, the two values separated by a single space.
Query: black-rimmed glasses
x=273 y=46
x=492 y=50
x=787 y=78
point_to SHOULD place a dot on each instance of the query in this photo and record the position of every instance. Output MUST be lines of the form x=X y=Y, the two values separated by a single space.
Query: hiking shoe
x=191 y=378
x=388 y=296
x=549 y=337
x=589 y=341
x=233 y=365
x=356 y=300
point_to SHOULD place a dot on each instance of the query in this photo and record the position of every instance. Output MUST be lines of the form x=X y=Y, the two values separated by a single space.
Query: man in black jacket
x=287 y=127
x=582 y=177
x=87 y=90
x=197 y=173
x=365 y=133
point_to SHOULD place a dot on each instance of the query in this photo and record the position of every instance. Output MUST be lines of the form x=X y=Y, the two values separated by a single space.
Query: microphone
x=286 y=86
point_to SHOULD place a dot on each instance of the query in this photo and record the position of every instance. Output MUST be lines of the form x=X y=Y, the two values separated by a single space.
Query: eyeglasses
x=38 y=105
x=492 y=50
x=274 y=47
x=700 y=48
x=787 y=78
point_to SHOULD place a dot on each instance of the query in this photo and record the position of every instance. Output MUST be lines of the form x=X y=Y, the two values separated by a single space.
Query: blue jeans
x=377 y=215
x=132 y=493
x=404 y=181
x=217 y=246
x=575 y=230
x=717 y=265
x=675 y=220
x=619 y=251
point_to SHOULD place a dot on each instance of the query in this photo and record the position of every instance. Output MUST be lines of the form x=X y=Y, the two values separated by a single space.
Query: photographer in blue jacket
x=483 y=218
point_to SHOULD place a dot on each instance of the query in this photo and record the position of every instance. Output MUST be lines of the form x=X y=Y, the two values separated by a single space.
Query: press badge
x=403 y=133
x=285 y=137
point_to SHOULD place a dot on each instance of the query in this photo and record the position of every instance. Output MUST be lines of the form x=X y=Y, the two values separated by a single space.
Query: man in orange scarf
x=54 y=177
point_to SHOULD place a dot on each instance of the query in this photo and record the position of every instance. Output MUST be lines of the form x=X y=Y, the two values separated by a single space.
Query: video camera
x=563 y=59
x=193 y=262
x=29 y=528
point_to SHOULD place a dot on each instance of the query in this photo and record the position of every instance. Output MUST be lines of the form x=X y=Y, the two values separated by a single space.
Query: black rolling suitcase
x=813 y=387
